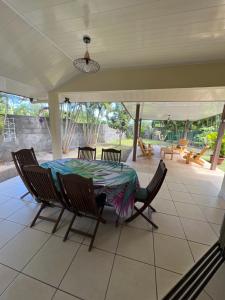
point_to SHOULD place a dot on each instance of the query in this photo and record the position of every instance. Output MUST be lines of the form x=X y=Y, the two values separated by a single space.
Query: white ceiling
x=177 y=110
x=40 y=38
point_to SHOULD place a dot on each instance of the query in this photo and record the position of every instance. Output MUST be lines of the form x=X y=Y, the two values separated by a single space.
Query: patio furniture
x=78 y=193
x=195 y=280
x=87 y=153
x=118 y=181
x=24 y=157
x=148 y=194
x=182 y=145
x=196 y=157
x=145 y=149
x=43 y=188
x=111 y=155
x=169 y=150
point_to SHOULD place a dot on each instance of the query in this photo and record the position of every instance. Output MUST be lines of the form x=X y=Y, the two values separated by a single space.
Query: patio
x=37 y=265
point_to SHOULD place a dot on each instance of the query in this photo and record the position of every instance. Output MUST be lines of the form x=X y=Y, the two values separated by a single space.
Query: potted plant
x=212 y=138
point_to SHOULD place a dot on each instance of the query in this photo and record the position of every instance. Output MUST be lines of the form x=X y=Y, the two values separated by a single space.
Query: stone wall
x=30 y=132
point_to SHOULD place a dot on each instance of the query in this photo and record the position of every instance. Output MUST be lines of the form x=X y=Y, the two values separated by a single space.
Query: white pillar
x=222 y=190
x=55 y=125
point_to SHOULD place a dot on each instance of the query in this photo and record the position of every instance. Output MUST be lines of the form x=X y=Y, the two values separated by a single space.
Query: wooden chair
x=181 y=146
x=24 y=157
x=87 y=153
x=196 y=157
x=147 y=195
x=111 y=155
x=145 y=149
x=78 y=193
x=43 y=188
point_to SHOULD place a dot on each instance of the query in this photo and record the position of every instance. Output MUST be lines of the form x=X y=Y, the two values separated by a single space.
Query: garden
x=25 y=123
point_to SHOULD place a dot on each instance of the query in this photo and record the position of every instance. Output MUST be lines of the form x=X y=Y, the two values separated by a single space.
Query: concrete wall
x=30 y=132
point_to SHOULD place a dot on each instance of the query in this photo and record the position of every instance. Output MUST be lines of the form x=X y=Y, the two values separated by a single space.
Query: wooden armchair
x=146 y=150
x=181 y=146
x=196 y=157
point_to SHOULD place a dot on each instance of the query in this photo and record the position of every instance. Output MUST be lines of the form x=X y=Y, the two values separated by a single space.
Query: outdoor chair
x=87 y=153
x=196 y=157
x=111 y=155
x=146 y=150
x=195 y=280
x=43 y=188
x=78 y=193
x=24 y=157
x=147 y=195
x=182 y=145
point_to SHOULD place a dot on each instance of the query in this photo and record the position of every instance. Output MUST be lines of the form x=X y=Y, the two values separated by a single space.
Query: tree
x=118 y=119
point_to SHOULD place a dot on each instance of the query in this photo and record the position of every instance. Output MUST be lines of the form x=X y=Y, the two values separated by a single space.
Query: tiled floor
x=127 y=262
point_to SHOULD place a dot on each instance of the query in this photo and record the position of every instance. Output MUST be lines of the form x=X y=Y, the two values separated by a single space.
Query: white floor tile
x=51 y=262
x=178 y=187
x=25 y=215
x=216 y=228
x=164 y=206
x=25 y=288
x=107 y=237
x=165 y=281
x=198 y=250
x=209 y=201
x=125 y=281
x=8 y=230
x=9 y=207
x=17 y=252
x=88 y=275
x=63 y=296
x=137 y=244
x=198 y=231
x=213 y=215
x=216 y=288
x=7 y=275
x=169 y=225
x=164 y=195
x=182 y=197
x=190 y=211
x=172 y=253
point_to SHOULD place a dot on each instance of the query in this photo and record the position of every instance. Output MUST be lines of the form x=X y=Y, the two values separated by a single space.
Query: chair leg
x=152 y=208
x=37 y=215
x=131 y=218
x=58 y=220
x=24 y=195
x=147 y=219
x=69 y=228
x=95 y=230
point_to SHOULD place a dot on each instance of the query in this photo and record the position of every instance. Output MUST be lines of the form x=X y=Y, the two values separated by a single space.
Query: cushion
x=141 y=195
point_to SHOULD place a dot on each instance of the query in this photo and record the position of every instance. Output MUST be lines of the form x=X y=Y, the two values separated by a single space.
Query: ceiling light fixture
x=86 y=64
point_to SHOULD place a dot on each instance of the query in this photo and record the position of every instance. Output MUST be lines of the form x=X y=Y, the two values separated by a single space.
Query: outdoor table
x=117 y=180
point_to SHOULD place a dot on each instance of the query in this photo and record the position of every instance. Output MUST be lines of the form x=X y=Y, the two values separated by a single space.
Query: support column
x=55 y=125
x=136 y=131
x=139 y=131
x=218 y=141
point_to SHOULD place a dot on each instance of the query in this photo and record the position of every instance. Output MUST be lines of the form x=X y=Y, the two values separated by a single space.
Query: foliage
x=118 y=119
x=212 y=138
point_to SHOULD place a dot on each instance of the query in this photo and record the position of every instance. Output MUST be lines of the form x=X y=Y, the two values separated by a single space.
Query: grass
x=221 y=167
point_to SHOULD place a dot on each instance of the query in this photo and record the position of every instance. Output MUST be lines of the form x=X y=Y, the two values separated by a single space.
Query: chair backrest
x=87 y=153
x=111 y=154
x=78 y=193
x=183 y=142
x=202 y=152
x=157 y=180
x=141 y=145
x=41 y=183
x=24 y=157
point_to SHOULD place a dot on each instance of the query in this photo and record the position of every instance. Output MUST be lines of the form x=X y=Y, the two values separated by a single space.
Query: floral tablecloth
x=118 y=180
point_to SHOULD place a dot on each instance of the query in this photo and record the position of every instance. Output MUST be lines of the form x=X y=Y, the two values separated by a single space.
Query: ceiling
x=191 y=111
x=40 y=38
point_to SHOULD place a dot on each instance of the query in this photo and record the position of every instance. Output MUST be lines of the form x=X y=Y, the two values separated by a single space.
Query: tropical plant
x=212 y=138
x=118 y=119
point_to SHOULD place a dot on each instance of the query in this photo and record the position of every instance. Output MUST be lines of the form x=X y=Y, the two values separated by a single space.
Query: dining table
x=117 y=180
